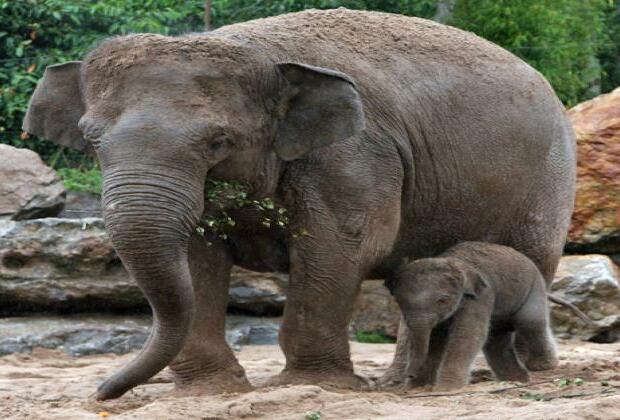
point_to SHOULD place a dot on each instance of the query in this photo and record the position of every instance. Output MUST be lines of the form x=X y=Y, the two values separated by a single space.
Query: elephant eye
x=443 y=300
x=218 y=143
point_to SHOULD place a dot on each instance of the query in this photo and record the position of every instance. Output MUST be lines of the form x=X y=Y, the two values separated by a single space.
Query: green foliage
x=560 y=38
x=610 y=54
x=226 y=196
x=313 y=415
x=372 y=337
x=86 y=180
x=564 y=382
x=231 y=11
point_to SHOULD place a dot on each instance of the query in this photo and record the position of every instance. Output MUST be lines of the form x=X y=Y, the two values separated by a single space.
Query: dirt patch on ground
x=50 y=385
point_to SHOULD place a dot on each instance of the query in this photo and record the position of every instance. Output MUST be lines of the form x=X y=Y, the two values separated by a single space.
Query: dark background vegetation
x=574 y=43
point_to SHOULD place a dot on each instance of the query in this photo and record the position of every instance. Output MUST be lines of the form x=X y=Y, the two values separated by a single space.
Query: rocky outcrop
x=62 y=265
x=596 y=219
x=68 y=265
x=97 y=334
x=592 y=283
x=28 y=188
x=255 y=293
x=79 y=204
x=376 y=310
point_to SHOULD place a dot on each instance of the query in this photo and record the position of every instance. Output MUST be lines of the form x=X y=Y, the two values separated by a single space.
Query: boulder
x=29 y=189
x=376 y=310
x=97 y=334
x=80 y=204
x=62 y=265
x=596 y=219
x=592 y=283
x=260 y=294
x=69 y=265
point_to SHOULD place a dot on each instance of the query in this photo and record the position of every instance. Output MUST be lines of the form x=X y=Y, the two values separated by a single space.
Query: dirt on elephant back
x=50 y=385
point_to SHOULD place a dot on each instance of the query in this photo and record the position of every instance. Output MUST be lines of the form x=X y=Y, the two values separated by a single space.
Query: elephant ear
x=474 y=284
x=320 y=107
x=56 y=106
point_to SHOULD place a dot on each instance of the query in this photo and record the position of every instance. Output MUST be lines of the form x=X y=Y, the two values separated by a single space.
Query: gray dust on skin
x=82 y=335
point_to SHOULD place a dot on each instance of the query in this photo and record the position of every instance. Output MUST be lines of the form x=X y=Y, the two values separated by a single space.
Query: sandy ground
x=51 y=385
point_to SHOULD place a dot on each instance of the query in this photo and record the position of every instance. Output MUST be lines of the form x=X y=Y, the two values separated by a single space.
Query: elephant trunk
x=149 y=217
x=421 y=333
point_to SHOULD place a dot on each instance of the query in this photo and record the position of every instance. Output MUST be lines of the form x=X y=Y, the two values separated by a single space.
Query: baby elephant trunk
x=419 y=348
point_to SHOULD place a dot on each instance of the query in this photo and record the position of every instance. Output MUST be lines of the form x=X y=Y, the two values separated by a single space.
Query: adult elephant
x=384 y=136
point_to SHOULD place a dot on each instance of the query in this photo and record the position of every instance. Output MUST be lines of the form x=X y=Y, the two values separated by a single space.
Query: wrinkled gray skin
x=384 y=136
x=473 y=296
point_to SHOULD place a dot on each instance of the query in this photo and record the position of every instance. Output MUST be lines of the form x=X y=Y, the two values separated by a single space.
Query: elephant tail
x=585 y=318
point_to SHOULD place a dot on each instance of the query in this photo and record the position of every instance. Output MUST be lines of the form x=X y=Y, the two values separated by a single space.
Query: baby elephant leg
x=428 y=372
x=466 y=336
x=534 y=339
x=502 y=357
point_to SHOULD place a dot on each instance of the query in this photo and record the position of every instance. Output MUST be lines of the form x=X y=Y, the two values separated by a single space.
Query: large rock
x=596 y=220
x=96 y=334
x=62 y=265
x=28 y=188
x=376 y=310
x=80 y=204
x=255 y=293
x=592 y=283
x=69 y=265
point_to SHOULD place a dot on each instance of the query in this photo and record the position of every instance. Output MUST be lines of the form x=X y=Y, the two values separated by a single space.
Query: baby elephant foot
x=520 y=375
x=393 y=378
x=538 y=363
x=448 y=386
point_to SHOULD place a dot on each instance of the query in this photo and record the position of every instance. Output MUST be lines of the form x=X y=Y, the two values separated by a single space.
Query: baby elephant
x=475 y=295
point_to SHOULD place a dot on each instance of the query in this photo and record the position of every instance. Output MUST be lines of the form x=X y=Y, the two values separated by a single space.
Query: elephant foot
x=393 y=378
x=516 y=375
x=193 y=377
x=219 y=383
x=337 y=380
x=538 y=363
x=447 y=387
x=412 y=382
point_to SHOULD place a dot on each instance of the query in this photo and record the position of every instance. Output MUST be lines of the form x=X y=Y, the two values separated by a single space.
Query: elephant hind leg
x=207 y=365
x=502 y=358
x=534 y=340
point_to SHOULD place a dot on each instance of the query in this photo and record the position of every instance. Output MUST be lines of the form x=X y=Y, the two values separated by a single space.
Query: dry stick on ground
x=500 y=390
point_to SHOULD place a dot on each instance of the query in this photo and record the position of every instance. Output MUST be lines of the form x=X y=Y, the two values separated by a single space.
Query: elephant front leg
x=396 y=374
x=428 y=372
x=466 y=337
x=207 y=364
x=314 y=338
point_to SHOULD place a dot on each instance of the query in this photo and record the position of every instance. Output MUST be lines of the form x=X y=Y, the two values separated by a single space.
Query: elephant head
x=162 y=114
x=428 y=292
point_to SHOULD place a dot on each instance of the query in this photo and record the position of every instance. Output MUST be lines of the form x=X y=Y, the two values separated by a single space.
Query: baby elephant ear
x=56 y=107
x=318 y=107
x=474 y=285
